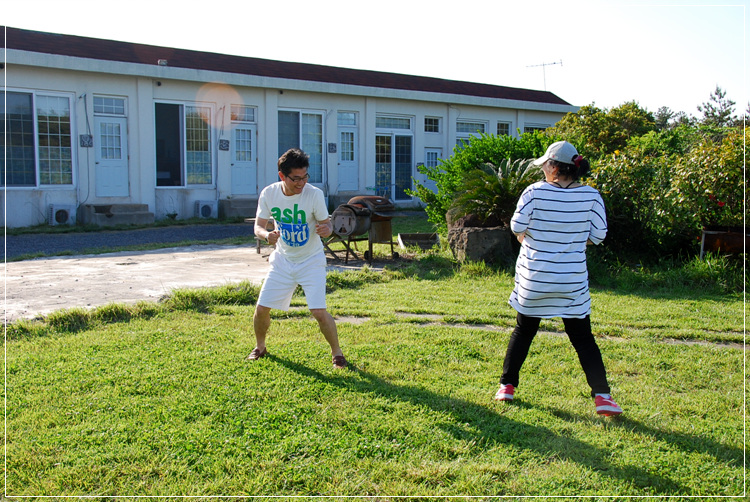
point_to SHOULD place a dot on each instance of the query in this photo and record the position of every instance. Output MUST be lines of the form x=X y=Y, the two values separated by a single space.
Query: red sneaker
x=505 y=393
x=607 y=406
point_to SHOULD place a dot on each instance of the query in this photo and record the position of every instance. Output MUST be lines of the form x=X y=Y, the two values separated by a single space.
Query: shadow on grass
x=495 y=429
x=685 y=442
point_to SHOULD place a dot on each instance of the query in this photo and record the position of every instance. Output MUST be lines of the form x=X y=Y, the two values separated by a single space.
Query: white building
x=120 y=132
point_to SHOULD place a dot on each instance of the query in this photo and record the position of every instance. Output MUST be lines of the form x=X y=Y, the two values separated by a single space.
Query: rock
x=491 y=245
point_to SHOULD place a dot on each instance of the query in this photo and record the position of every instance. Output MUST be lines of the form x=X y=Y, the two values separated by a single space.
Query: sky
x=606 y=52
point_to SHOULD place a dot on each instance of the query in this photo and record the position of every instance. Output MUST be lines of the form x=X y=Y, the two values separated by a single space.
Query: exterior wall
x=144 y=85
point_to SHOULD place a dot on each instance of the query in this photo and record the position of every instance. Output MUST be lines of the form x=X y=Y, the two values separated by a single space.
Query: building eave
x=31 y=48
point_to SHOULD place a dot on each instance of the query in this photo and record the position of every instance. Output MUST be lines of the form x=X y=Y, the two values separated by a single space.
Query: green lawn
x=157 y=400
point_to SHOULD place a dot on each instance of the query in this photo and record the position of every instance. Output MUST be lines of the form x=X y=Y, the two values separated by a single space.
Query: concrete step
x=108 y=215
x=238 y=208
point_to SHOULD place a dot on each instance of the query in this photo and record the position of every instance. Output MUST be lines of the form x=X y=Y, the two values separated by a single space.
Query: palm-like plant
x=490 y=193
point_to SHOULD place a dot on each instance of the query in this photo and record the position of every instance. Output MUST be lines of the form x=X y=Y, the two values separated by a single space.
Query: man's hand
x=324 y=228
x=273 y=237
x=261 y=231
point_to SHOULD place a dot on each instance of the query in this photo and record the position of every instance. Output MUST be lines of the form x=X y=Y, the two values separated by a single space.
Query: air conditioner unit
x=61 y=214
x=206 y=209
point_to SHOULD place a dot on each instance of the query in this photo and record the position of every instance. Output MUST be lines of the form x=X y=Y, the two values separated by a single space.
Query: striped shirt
x=551 y=274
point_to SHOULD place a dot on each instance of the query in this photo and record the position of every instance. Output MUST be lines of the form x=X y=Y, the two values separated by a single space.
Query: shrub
x=491 y=193
x=662 y=189
x=449 y=174
x=629 y=184
x=709 y=186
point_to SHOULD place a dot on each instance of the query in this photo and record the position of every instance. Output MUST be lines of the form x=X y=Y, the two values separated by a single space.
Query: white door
x=111 y=145
x=348 y=164
x=244 y=160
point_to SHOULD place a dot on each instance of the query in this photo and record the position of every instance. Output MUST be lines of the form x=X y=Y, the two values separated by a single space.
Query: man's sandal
x=339 y=362
x=257 y=354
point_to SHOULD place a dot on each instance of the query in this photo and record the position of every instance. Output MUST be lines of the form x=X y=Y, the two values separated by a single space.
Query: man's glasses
x=295 y=179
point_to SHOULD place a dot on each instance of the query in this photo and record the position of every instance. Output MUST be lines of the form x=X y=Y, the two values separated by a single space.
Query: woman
x=554 y=221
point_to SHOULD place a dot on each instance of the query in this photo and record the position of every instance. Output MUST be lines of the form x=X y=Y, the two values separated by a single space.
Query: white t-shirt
x=295 y=217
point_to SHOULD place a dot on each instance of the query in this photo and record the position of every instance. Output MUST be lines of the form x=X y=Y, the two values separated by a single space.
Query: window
x=393 y=157
x=393 y=123
x=503 y=128
x=431 y=124
x=197 y=145
x=346 y=121
x=466 y=129
x=347 y=146
x=183 y=145
x=109 y=106
x=347 y=118
x=470 y=127
x=303 y=130
x=39 y=140
x=431 y=157
x=535 y=127
x=241 y=113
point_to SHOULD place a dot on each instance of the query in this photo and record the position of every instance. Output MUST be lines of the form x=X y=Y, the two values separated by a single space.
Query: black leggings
x=579 y=333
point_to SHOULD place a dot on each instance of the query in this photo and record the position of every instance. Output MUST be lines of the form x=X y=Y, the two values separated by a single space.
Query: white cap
x=562 y=151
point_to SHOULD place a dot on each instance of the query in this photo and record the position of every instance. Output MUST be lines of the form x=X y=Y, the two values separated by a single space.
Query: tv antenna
x=544 y=70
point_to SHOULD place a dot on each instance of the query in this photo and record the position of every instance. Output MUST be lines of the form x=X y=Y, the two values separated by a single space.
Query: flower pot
x=724 y=239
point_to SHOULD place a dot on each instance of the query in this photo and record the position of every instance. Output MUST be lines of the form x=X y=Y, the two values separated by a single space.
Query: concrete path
x=43 y=285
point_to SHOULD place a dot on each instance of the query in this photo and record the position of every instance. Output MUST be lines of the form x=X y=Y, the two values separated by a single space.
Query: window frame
x=463 y=137
x=530 y=127
x=111 y=114
x=387 y=125
x=183 y=140
x=38 y=185
x=243 y=120
x=321 y=153
x=438 y=124
x=507 y=123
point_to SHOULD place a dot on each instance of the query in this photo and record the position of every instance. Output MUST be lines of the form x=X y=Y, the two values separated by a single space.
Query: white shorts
x=284 y=276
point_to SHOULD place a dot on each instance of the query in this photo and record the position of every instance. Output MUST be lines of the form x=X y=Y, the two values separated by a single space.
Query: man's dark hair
x=294 y=158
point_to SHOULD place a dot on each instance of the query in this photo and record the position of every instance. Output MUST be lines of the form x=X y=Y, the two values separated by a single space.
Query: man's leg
x=261 y=323
x=328 y=328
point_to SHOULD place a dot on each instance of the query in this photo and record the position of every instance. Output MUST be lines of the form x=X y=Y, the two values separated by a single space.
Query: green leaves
x=491 y=192
x=450 y=175
x=663 y=188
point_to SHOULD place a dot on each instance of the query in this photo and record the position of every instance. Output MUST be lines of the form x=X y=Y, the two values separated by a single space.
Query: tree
x=597 y=132
x=718 y=111
x=663 y=117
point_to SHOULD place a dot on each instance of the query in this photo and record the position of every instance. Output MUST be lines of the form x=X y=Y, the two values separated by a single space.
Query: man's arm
x=324 y=228
x=261 y=232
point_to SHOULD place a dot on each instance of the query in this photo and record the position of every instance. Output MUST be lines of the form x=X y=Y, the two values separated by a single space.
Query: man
x=299 y=259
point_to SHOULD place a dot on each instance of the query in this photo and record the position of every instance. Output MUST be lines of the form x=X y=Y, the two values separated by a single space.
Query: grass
x=157 y=399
